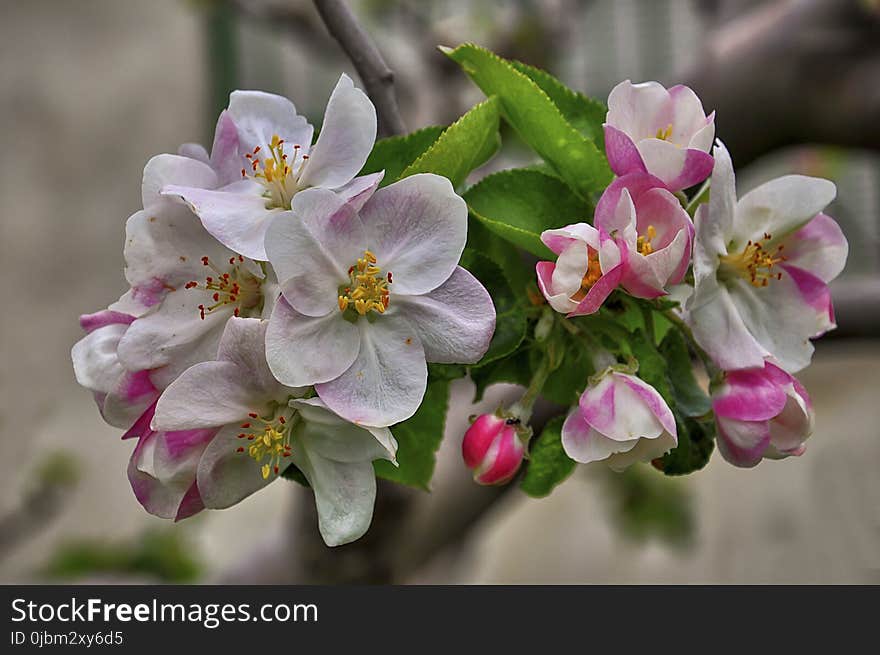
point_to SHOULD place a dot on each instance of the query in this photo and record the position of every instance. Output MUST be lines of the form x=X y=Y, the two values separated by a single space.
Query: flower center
x=269 y=440
x=367 y=290
x=755 y=263
x=643 y=243
x=275 y=173
x=594 y=272
x=236 y=287
x=664 y=133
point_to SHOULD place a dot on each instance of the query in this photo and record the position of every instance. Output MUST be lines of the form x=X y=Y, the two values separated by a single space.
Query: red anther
x=202 y=311
x=296 y=146
x=284 y=157
x=385 y=301
x=281 y=420
x=286 y=455
x=232 y=260
x=245 y=425
x=236 y=312
x=240 y=258
x=305 y=156
x=350 y=269
x=209 y=279
x=226 y=276
x=389 y=277
x=257 y=149
x=252 y=414
x=243 y=174
x=190 y=285
x=251 y=438
x=276 y=470
x=205 y=260
x=216 y=297
x=254 y=165
x=241 y=435
x=280 y=141
x=240 y=449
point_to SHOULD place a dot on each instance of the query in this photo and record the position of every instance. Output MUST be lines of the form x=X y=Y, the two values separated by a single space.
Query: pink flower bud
x=493 y=449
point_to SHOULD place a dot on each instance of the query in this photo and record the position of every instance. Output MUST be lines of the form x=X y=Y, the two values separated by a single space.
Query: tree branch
x=377 y=77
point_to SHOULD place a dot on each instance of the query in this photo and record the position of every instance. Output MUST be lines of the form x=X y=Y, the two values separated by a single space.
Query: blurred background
x=90 y=89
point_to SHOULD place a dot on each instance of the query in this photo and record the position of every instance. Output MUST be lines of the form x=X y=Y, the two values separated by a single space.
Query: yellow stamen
x=755 y=263
x=269 y=438
x=281 y=179
x=643 y=243
x=664 y=134
x=368 y=288
x=594 y=272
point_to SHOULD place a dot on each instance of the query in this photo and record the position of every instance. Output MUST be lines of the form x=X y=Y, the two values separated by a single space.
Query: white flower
x=369 y=297
x=271 y=151
x=761 y=269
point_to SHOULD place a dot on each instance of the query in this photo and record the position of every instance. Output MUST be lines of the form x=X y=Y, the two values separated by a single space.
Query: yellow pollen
x=276 y=173
x=594 y=272
x=367 y=290
x=755 y=263
x=235 y=286
x=664 y=134
x=269 y=440
x=643 y=243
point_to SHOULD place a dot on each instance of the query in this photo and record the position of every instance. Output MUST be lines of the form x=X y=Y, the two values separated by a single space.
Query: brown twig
x=377 y=77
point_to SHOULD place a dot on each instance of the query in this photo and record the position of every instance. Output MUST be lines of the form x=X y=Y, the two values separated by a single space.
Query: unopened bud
x=493 y=448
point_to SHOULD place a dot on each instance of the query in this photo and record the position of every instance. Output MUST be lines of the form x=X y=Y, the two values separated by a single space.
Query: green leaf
x=695 y=445
x=690 y=398
x=565 y=384
x=510 y=321
x=418 y=439
x=519 y=204
x=652 y=365
x=465 y=145
x=395 y=153
x=585 y=114
x=536 y=119
x=510 y=261
x=548 y=463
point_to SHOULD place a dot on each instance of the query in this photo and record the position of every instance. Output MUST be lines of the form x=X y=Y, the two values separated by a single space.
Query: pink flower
x=651 y=225
x=589 y=267
x=493 y=448
x=619 y=420
x=662 y=132
x=761 y=413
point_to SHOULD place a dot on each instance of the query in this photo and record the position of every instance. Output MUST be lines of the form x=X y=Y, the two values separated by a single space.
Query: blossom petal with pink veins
x=714 y=221
x=312 y=248
x=133 y=394
x=346 y=139
x=720 y=330
x=417 y=229
x=652 y=400
x=561 y=238
x=235 y=215
x=225 y=159
x=819 y=247
x=689 y=117
x=332 y=437
x=103 y=318
x=779 y=207
x=816 y=294
x=585 y=444
x=749 y=395
x=360 y=189
x=166 y=169
x=455 y=322
x=639 y=110
x=781 y=303
x=303 y=350
x=225 y=476
x=344 y=494
x=173 y=333
x=162 y=470
x=558 y=300
x=623 y=156
x=742 y=443
x=194 y=151
x=618 y=411
x=207 y=395
x=387 y=381
x=259 y=116
x=679 y=168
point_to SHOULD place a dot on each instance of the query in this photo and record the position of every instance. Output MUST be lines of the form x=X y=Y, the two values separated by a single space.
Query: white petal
x=344 y=495
x=165 y=169
x=312 y=248
x=244 y=344
x=95 y=363
x=584 y=444
x=387 y=381
x=259 y=116
x=303 y=350
x=347 y=136
x=315 y=412
x=417 y=228
x=225 y=476
x=644 y=451
x=780 y=206
x=455 y=321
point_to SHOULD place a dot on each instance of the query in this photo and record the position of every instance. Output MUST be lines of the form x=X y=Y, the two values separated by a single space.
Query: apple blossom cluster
x=281 y=311
x=756 y=295
x=298 y=307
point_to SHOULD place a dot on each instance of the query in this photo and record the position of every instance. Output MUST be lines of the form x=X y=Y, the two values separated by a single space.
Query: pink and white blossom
x=662 y=132
x=653 y=228
x=263 y=156
x=761 y=413
x=619 y=420
x=370 y=297
x=762 y=265
x=589 y=266
x=229 y=427
x=125 y=398
x=493 y=448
